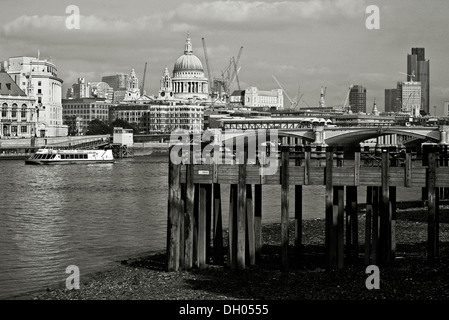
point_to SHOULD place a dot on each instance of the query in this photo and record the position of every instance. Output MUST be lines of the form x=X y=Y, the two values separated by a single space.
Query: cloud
x=264 y=13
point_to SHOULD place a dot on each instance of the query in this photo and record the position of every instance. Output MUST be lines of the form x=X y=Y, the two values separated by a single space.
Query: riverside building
x=84 y=110
x=18 y=111
x=38 y=78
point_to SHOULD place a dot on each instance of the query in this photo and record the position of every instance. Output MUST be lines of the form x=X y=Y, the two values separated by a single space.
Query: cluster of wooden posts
x=194 y=225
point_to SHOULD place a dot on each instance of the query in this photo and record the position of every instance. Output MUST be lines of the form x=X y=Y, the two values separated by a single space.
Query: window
x=8 y=86
x=39 y=91
x=39 y=83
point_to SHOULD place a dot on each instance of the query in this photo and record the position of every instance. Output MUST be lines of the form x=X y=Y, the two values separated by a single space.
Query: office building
x=357 y=99
x=84 y=110
x=18 y=115
x=418 y=70
x=38 y=78
x=409 y=94
x=391 y=100
x=255 y=98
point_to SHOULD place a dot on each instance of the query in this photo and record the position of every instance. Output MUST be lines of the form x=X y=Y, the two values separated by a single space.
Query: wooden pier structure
x=194 y=225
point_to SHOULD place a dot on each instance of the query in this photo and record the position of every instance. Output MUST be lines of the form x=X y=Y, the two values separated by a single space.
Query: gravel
x=410 y=277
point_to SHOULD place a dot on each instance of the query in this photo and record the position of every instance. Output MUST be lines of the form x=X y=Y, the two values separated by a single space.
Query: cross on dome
x=188 y=47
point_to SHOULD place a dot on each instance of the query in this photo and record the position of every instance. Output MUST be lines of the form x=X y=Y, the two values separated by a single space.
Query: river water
x=94 y=215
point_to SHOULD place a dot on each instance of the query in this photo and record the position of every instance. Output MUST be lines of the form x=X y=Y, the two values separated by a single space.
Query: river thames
x=95 y=215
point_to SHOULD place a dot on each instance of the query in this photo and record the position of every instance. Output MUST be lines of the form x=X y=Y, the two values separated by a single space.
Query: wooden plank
x=285 y=153
x=203 y=174
x=296 y=175
x=316 y=176
x=252 y=174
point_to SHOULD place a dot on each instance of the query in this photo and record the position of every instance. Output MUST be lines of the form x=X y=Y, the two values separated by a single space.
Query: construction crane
x=294 y=103
x=142 y=88
x=209 y=70
x=234 y=74
x=346 y=106
x=409 y=75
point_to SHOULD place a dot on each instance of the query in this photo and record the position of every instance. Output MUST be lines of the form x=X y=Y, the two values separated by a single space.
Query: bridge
x=324 y=135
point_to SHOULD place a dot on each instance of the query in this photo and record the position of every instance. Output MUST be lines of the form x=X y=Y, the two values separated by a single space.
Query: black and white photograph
x=224 y=158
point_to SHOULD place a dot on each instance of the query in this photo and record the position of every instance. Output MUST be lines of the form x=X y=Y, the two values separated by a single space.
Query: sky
x=304 y=44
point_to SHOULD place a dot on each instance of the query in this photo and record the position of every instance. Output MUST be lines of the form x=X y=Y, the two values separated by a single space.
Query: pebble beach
x=410 y=277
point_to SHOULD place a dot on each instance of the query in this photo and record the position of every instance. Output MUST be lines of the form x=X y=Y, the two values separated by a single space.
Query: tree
x=97 y=127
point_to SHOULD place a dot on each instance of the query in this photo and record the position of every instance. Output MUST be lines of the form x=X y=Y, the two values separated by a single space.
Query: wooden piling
x=241 y=215
x=182 y=227
x=258 y=220
x=385 y=210
x=209 y=204
x=285 y=159
x=202 y=226
x=189 y=217
x=368 y=224
x=174 y=212
x=250 y=235
x=393 y=208
x=329 y=228
x=298 y=207
x=431 y=202
x=375 y=227
x=218 y=226
x=351 y=224
x=340 y=204
x=232 y=227
x=194 y=199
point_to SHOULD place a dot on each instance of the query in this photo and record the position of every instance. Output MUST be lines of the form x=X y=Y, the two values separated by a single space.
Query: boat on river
x=46 y=156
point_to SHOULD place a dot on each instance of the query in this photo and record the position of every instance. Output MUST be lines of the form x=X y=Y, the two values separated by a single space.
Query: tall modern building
x=118 y=81
x=357 y=99
x=391 y=100
x=418 y=69
x=409 y=93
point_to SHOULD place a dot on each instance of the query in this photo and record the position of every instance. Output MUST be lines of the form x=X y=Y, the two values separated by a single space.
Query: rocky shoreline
x=410 y=277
